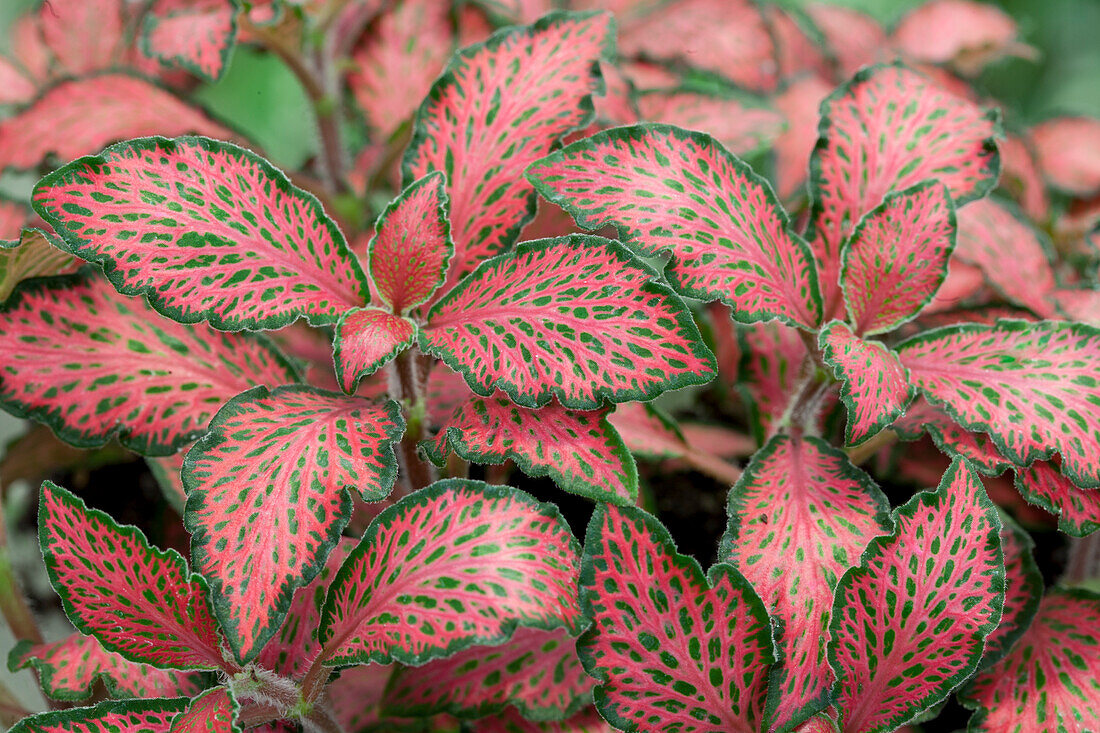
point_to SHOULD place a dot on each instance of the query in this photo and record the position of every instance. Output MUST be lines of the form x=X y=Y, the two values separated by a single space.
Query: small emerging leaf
x=366 y=339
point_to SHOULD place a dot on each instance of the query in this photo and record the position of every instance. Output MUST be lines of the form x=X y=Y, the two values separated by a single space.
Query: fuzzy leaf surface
x=1023 y=592
x=1051 y=680
x=535 y=671
x=578 y=449
x=205 y=230
x=126 y=716
x=34 y=254
x=412 y=248
x=366 y=339
x=1033 y=387
x=80 y=116
x=896 y=259
x=104 y=572
x=449 y=566
x=577 y=318
x=667 y=643
x=951 y=438
x=198 y=35
x=799 y=518
x=909 y=623
x=214 y=711
x=874 y=385
x=550 y=70
x=670 y=191
x=94 y=365
x=1077 y=509
x=267 y=496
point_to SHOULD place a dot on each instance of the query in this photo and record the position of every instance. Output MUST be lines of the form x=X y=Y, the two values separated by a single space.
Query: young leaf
x=34 y=254
x=874 y=386
x=448 y=567
x=908 y=623
x=896 y=258
x=578 y=318
x=536 y=671
x=197 y=35
x=94 y=365
x=1023 y=591
x=67 y=670
x=412 y=246
x=147 y=716
x=365 y=340
x=550 y=70
x=214 y=711
x=1034 y=387
x=672 y=191
x=267 y=496
x=667 y=643
x=800 y=516
x=205 y=230
x=884 y=131
x=1051 y=680
x=106 y=575
x=1077 y=509
x=578 y=449
x=80 y=116
x=83 y=35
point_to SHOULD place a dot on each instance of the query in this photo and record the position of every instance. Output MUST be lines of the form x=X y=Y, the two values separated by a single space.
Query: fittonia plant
x=346 y=574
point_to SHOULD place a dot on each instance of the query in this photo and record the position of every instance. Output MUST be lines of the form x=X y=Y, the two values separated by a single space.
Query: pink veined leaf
x=1051 y=679
x=1078 y=304
x=578 y=449
x=312 y=348
x=616 y=106
x=987 y=314
x=800 y=516
x=34 y=254
x=448 y=567
x=116 y=716
x=166 y=472
x=30 y=48
x=672 y=191
x=1023 y=592
x=267 y=496
x=197 y=35
x=795 y=51
x=412 y=247
x=668 y=643
x=896 y=258
x=94 y=365
x=356 y=695
x=724 y=37
x=854 y=39
x=964 y=285
x=909 y=623
x=1068 y=149
x=366 y=339
x=1034 y=387
x=741 y=127
x=84 y=35
x=446 y=390
x=550 y=70
x=536 y=671
x=874 y=386
x=586 y=721
x=949 y=437
x=80 y=116
x=772 y=368
x=1077 y=509
x=104 y=572
x=15 y=87
x=67 y=670
x=886 y=130
x=1008 y=252
x=647 y=76
x=399 y=60
x=963 y=33
x=821 y=724
x=799 y=103
x=214 y=711
x=647 y=430
x=205 y=230
x=575 y=318
x=1020 y=175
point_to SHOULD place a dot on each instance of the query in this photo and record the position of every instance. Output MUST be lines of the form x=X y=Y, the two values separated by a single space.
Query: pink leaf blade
x=367 y=339
x=207 y=231
x=773 y=360
x=1077 y=509
x=743 y=126
x=473 y=548
x=83 y=35
x=874 y=386
x=668 y=190
x=579 y=450
x=214 y=711
x=799 y=518
x=1068 y=149
x=964 y=33
x=198 y=36
x=126 y=716
x=15 y=87
x=103 y=571
x=152 y=383
x=667 y=641
x=551 y=69
x=952 y=439
x=575 y=318
x=941 y=573
x=896 y=258
x=267 y=496
x=1033 y=387
x=1023 y=592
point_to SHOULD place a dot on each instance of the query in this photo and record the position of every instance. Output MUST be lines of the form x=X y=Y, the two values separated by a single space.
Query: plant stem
x=418 y=474
x=257 y=713
x=1084 y=560
x=13 y=604
x=864 y=451
x=11 y=710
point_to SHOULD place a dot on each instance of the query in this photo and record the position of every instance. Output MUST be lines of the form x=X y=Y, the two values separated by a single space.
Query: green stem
x=417 y=473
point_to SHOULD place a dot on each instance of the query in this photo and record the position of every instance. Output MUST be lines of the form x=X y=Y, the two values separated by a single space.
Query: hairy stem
x=1084 y=560
x=257 y=713
x=417 y=474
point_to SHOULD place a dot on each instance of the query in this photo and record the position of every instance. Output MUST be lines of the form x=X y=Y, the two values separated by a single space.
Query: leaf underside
x=34 y=254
